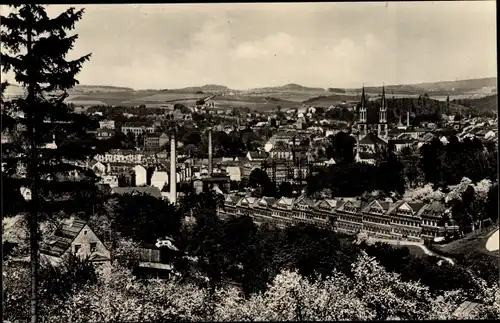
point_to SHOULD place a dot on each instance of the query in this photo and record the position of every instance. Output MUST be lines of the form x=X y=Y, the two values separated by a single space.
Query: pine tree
x=34 y=48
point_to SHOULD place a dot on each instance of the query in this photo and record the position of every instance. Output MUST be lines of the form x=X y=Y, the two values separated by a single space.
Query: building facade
x=400 y=220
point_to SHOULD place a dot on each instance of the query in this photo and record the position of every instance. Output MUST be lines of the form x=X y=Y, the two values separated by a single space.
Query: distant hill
x=292 y=87
x=479 y=86
x=205 y=88
x=99 y=88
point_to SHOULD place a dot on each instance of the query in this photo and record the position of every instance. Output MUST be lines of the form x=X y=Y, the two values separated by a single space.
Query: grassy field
x=472 y=243
x=289 y=96
x=137 y=97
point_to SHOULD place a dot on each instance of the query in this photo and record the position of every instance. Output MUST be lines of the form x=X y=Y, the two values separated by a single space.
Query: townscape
x=375 y=202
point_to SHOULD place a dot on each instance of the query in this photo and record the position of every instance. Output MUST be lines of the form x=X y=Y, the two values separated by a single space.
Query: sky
x=166 y=46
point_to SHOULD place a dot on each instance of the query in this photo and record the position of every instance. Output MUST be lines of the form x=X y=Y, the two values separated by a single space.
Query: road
x=410 y=243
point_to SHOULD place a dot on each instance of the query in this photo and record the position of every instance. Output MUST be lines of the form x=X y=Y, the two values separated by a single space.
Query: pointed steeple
x=384 y=103
x=363 y=98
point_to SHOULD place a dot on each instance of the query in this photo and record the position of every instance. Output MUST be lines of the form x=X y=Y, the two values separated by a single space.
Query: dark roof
x=62 y=238
x=371 y=139
x=257 y=154
x=154 y=135
x=269 y=200
x=216 y=179
x=138 y=124
x=416 y=206
x=435 y=209
x=150 y=190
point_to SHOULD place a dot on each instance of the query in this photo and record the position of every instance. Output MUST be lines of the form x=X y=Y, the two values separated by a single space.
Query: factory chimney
x=173 y=171
x=210 y=152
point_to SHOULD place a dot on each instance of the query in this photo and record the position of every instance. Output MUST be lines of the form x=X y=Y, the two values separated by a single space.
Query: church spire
x=382 y=121
x=384 y=102
x=362 y=115
x=363 y=98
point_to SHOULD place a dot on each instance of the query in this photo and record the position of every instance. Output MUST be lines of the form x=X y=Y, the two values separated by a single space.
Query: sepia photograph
x=275 y=161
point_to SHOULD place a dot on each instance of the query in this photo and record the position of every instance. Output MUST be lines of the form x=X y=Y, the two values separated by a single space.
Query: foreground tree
x=34 y=47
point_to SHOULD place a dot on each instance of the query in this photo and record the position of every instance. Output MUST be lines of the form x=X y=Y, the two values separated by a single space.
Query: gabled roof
x=382 y=205
x=269 y=201
x=304 y=200
x=149 y=190
x=434 y=209
x=350 y=202
x=233 y=199
x=371 y=139
x=285 y=201
x=62 y=238
x=247 y=199
x=257 y=154
x=332 y=203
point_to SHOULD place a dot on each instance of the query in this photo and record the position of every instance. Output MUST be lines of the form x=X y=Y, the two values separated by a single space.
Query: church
x=369 y=142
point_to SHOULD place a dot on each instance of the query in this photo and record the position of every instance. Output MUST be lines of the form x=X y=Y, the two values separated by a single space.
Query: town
x=212 y=203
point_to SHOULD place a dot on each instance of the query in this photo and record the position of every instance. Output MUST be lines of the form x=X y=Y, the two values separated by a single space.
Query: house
x=140 y=175
x=256 y=156
x=97 y=167
x=155 y=140
x=234 y=173
x=159 y=179
x=111 y=180
x=148 y=190
x=103 y=134
x=349 y=218
x=74 y=237
x=376 y=219
x=107 y=124
x=280 y=151
x=371 y=143
x=138 y=128
x=121 y=156
x=406 y=219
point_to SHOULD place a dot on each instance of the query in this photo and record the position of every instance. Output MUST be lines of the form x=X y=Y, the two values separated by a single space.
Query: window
x=77 y=247
x=85 y=232
x=93 y=246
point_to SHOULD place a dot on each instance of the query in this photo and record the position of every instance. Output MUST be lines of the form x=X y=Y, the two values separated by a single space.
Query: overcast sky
x=312 y=44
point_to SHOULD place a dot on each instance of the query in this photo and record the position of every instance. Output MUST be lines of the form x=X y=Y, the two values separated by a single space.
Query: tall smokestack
x=210 y=152
x=173 y=172
x=408 y=118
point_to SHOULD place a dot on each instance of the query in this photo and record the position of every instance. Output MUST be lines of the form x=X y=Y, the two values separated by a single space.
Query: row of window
x=346 y=217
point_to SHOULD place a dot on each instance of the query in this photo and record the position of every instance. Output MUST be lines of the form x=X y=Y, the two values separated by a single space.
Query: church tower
x=382 y=122
x=362 y=131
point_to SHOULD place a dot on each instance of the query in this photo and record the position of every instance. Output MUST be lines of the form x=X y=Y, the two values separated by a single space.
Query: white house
x=111 y=180
x=140 y=175
x=107 y=124
x=234 y=173
x=159 y=179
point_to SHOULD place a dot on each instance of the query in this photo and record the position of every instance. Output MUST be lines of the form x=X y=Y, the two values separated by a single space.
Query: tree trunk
x=32 y=174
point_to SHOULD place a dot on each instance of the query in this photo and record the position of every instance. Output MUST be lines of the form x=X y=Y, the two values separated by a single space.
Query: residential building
x=404 y=220
x=140 y=175
x=138 y=128
x=74 y=237
x=121 y=156
x=107 y=124
x=159 y=179
x=234 y=173
x=111 y=180
x=155 y=140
